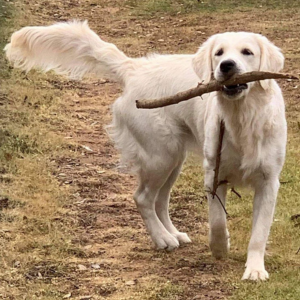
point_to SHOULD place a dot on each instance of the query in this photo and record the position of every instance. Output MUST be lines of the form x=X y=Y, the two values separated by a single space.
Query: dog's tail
x=71 y=49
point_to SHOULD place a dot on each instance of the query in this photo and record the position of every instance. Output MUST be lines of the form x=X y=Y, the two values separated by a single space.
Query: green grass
x=6 y=15
x=284 y=284
x=153 y=7
x=161 y=291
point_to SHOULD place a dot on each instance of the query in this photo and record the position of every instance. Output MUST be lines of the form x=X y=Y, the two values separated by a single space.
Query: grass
x=161 y=291
x=40 y=242
x=173 y=7
x=30 y=196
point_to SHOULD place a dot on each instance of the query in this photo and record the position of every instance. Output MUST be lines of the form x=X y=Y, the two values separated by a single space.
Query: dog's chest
x=240 y=162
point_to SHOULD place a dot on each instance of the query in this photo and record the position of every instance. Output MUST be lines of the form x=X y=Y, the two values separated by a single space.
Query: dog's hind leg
x=162 y=206
x=151 y=182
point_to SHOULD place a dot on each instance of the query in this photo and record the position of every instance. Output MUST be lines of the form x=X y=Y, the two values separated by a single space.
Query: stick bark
x=217 y=166
x=212 y=86
x=218 y=157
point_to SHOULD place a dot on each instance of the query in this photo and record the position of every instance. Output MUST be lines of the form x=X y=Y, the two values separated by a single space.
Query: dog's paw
x=166 y=242
x=255 y=274
x=219 y=245
x=219 y=252
x=182 y=237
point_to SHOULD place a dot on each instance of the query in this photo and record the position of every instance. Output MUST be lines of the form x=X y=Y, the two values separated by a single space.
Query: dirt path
x=115 y=248
x=117 y=255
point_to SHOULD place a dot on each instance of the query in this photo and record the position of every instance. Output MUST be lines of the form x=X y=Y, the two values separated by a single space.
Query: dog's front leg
x=263 y=211
x=218 y=234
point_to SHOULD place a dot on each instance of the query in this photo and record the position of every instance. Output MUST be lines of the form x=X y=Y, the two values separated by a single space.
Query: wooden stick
x=212 y=86
x=235 y=192
x=218 y=157
x=217 y=166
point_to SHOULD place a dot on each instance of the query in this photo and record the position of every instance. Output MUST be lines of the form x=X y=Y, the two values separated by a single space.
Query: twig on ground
x=212 y=86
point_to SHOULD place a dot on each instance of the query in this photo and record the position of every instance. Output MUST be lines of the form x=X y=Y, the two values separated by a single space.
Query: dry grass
x=32 y=119
x=62 y=206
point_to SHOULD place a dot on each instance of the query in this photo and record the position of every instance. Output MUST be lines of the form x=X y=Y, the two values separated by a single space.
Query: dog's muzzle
x=228 y=68
x=232 y=90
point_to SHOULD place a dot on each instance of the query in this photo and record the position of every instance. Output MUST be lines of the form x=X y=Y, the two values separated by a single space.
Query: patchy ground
x=107 y=253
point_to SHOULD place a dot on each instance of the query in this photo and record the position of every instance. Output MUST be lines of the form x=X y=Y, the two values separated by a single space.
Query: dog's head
x=226 y=54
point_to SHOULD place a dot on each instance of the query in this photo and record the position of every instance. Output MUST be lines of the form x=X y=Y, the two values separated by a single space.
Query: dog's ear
x=202 y=61
x=271 y=59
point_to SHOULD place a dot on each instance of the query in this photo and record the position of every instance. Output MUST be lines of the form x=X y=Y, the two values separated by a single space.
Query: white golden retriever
x=154 y=142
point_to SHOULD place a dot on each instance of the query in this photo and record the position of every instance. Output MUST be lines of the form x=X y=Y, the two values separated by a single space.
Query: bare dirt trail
x=115 y=248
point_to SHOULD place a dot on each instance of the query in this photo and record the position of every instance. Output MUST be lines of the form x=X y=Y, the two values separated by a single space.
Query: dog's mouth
x=232 y=90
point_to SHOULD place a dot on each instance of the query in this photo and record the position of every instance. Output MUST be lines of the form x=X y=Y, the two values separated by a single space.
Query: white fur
x=154 y=142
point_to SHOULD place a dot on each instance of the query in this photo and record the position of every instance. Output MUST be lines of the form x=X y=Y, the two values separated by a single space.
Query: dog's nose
x=227 y=65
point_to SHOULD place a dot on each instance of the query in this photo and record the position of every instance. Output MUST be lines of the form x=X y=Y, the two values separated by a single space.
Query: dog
x=154 y=142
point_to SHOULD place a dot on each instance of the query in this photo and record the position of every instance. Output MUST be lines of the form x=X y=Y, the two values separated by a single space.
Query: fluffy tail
x=71 y=49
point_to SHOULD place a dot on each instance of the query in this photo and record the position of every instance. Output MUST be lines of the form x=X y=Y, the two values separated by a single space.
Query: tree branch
x=212 y=86
x=218 y=157
x=216 y=182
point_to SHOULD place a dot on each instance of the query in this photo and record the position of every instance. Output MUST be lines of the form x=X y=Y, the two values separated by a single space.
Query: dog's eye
x=247 y=52
x=219 y=52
